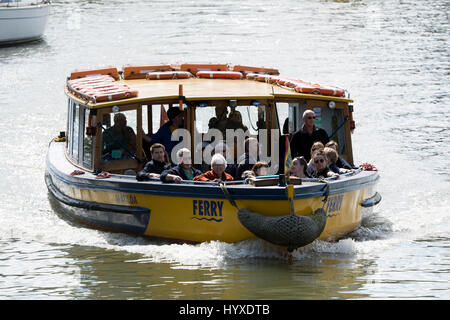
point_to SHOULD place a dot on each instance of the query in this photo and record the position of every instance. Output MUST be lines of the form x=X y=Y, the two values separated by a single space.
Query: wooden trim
x=139 y=149
x=348 y=140
x=120 y=165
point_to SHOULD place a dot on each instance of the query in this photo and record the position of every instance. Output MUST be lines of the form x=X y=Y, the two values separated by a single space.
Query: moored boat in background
x=22 y=21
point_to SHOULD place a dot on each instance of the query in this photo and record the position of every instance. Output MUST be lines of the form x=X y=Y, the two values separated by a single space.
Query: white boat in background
x=22 y=21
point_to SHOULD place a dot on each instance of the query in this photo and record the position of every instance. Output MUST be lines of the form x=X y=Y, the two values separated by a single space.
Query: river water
x=392 y=56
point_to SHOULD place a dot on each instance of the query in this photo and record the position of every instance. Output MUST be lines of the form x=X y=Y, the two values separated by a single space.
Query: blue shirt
x=164 y=136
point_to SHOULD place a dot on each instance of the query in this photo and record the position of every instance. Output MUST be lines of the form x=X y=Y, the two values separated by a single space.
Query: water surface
x=392 y=56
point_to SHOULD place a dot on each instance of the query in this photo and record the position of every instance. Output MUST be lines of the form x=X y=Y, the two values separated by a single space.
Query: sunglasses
x=319 y=160
x=311 y=118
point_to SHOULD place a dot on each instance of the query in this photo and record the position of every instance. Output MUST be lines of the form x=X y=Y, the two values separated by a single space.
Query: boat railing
x=246 y=181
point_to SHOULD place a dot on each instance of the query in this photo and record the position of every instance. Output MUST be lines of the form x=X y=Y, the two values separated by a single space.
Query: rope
x=227 y=194
x=327 y=191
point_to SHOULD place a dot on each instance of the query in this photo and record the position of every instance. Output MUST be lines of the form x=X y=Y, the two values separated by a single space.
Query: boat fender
x=103 y=175
x=372 y=201
x=292 y=231
x=76 y=172
x=368 y=167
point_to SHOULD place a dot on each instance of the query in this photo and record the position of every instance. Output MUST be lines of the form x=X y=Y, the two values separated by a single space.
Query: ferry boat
x=22 y=22
x=98 y=190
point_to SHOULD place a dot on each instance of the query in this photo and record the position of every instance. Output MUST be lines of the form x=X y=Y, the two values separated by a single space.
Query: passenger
x=260 y=168
x=184 y=169
x=199 y=149
x=315 y=147
x=302 y=141
x=235 y=121
x=299 y=168
x=218 y=165
x=222 y=148
x=333 y=156
x=164 y=134
x=341 y=163
x=119 y=141
x=248 y=158
x=220 y=121
x=159 y=163
x=321 y=163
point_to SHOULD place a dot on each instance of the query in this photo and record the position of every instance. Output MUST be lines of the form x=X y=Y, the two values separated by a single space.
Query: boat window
x=87 y=141
x=223 y=115
x=287 y=116
x=154 y=117
x=119 y=135
x=75 y=131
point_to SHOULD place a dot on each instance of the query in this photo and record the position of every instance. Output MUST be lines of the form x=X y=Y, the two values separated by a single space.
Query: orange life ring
x=251 y=76
x=196 y=67
x=167 y=75
x=140 y=72
x=219 y=74
x=331 y=91
x=265 y=78
x=100 y=88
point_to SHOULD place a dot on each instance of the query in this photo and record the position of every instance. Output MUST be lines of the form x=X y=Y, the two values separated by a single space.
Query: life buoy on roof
x=140 y=72
x=166 y=75
x=265 y=78
x=219 y=74
x=100 y=88
x=302 y=86
x=196 y=67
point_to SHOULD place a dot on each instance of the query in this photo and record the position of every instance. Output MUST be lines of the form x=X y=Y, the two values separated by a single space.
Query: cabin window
x=119 y=141
x=75 y=131
x=87 y=141
x=331 y=120
x=68 y=125
x=287 y=113
x=230 y=115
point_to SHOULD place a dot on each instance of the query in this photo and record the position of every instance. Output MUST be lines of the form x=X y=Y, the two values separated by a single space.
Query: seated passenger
x=333 y=156
x=164 y=134
x=159 y=163
x=220 y=121
x=119 y=140
x=299 y=168
x=315 y=147
x=222 y=148
x=260 y=168
x=218 y=165
x=248 y=158
x=235 y=121
x=321 y=164
x=341 y=163
x=184 y=169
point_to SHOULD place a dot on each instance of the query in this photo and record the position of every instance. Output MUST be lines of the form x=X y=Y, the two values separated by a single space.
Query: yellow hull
x=193 y=213
x=198 y=219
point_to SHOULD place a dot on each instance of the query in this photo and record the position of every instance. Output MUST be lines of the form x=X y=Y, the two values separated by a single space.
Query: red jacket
x=211 y=175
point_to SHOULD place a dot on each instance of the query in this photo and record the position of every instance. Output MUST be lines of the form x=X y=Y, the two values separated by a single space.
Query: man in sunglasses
x=302 y=141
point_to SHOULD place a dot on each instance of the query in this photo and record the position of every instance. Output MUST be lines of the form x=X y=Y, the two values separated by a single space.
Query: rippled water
x=392 y=56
